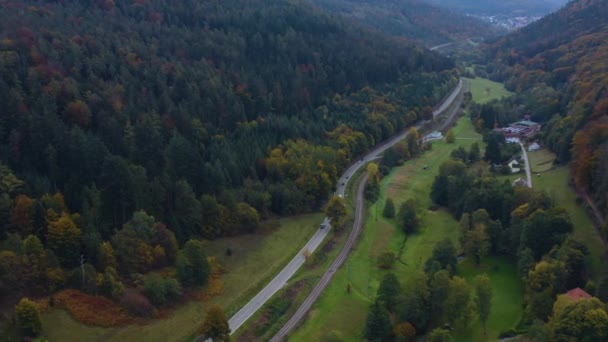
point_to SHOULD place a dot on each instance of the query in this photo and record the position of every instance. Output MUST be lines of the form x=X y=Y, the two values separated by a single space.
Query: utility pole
x=82 y=269
x=349 y=271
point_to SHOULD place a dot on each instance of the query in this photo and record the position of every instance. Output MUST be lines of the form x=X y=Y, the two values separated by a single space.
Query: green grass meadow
x=541 y=160
x=484 y=90
x=339 y=314
x=555 y=184
x=255 y=260
x=507 y=297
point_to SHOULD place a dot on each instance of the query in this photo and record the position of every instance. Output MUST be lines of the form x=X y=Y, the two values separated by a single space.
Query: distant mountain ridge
x=415 y=20
x=494 y=7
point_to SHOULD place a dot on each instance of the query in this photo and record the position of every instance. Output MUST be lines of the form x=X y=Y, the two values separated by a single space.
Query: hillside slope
x=128 y=128
x=502 y=7
x=414 y=20
x=561 y=61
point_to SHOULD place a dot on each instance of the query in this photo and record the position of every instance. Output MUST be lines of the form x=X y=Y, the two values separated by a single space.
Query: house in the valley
x=524 y=129
x=533 y=147
x=514 y=165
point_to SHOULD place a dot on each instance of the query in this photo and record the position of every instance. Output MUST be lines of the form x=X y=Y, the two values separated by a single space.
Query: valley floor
x=338 y=312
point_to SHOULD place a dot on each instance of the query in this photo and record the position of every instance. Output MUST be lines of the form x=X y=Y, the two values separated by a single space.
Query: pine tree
x=28 y=318
x=378 y=325
x=408 y=217
x=389 y=208
x=215 y=326
x=483 y=298
x=450 y=138
x=389 y=290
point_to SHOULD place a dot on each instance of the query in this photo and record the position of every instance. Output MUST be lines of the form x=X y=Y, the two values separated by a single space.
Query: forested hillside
x=130 y=127
x=415 y=20
x=560 y=62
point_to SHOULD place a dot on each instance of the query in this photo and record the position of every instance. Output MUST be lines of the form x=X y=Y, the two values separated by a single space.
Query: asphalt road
x=238 y=319
x=322 y=284
x=527 y=163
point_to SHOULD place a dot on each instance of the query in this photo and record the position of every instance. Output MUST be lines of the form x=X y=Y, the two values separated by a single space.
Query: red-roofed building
x=577 y=294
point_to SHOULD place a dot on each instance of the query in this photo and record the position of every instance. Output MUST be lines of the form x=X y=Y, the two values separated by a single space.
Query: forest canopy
x=131 y=129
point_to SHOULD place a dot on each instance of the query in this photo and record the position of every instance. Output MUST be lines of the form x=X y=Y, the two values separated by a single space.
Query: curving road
x=527 y=164
x=440 y=46
x=456 y=95
x=322 y=284
x=238 y=319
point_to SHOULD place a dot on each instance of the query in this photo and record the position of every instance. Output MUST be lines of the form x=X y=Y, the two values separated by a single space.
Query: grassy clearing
x=555 y=183
x=484 y=90
x=254 y=260
x=541 y=160
x=507 y=297
x=337 y=312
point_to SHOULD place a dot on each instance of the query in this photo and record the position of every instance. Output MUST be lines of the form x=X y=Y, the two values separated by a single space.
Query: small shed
x=514 y=165
x=520 y=182
x=533 y=147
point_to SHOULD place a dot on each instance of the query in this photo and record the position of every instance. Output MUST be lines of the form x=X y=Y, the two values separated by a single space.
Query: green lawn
x=555 y=183
x=255 y=259
x=484 y=90
x=541 y=160
x=507 y=297
x=339 y=314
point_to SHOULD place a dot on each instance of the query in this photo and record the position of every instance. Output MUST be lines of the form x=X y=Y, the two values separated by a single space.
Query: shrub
x=508 y=333
x=28 y=318
x=372 y=191
x=193 y=268
x=389 y=209
x=92 y=310
x=110 y=287
x=174 y=288
x=155 y=290
x=405 y=331
x=386 y=260
x=160 y=290
x=90 y=279
x=137 y=304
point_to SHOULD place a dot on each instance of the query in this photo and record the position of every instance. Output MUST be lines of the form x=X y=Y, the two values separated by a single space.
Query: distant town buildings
x=525 y=129
x=508 y=22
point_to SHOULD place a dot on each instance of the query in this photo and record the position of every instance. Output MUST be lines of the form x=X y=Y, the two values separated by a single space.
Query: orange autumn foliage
x=77 y=113
x=22 y=215
x=92 y=310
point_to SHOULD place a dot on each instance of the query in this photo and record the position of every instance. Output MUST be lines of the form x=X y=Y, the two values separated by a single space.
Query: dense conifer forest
x=130 y=128
x=414 y=20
